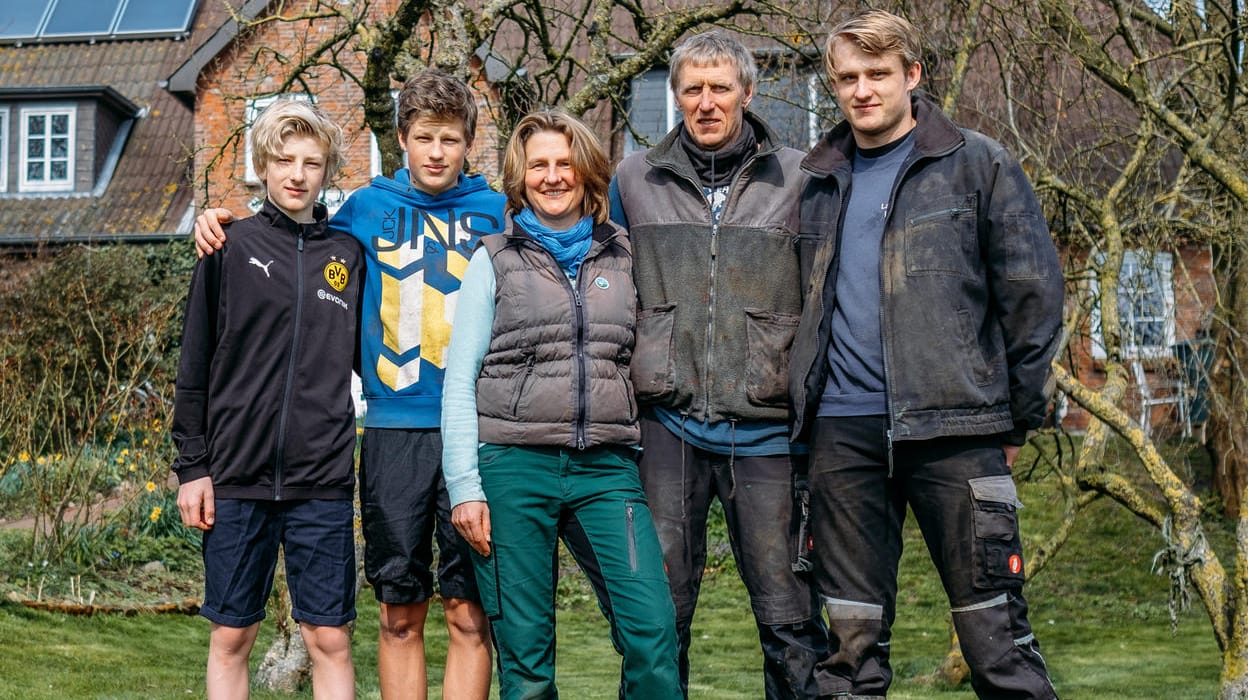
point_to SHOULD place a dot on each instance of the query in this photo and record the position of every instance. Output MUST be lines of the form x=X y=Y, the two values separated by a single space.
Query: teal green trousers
x=593 y=500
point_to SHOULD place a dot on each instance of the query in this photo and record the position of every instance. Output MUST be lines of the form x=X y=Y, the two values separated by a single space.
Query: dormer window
x=47 y=149
x=62 y=141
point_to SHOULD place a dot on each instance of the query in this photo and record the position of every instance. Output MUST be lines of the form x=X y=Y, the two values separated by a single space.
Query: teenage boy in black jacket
x=263 y=419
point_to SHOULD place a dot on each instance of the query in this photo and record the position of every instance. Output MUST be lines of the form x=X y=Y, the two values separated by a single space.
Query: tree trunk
x=286 y=667
x=1228 y=390
x=953 y=669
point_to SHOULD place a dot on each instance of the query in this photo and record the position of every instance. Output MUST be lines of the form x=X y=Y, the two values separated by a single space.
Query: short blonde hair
x=288 y=117
x=589 y=161
x=876 y=33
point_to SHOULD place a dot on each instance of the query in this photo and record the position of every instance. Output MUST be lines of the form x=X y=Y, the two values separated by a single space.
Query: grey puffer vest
x=719 y=303
x=556 y=372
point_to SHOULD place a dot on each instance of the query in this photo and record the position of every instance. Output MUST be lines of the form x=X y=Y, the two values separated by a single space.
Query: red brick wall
x=251 y=66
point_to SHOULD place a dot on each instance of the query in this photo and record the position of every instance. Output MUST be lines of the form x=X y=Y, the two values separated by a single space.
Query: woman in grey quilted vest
x=539 y=422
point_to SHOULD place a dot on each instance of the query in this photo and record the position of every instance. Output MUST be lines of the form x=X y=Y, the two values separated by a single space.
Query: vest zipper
x=290 y=372
x=578 y=308
x=581 y=388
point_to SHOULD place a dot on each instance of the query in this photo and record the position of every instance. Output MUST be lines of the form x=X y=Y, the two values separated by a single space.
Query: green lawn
x=1100 y=614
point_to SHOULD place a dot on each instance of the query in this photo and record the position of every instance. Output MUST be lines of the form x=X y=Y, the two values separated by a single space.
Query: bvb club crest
x=336 y=275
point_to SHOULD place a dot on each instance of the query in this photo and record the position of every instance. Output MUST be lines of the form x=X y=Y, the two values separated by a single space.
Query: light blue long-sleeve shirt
x=470 y=340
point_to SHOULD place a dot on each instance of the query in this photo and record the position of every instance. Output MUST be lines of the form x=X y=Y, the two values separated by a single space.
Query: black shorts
x=240 y=554
x=405 y=507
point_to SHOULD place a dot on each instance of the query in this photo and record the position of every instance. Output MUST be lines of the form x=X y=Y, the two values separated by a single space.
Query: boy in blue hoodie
x=418 y=230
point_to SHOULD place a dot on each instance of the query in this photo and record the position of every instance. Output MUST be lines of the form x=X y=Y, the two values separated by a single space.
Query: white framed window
x=254 y=108
x=4 y=149
x=47 y=148
x=1145 y=306
x=374 y=156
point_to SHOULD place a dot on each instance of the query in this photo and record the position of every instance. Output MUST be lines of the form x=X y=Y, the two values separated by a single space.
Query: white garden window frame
x=4 y=149
x=1145 y=306
x=46 y=149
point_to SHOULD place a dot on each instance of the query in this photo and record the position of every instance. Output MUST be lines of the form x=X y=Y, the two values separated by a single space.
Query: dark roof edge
x=52 y=92
x=10 y=244
x=183 y=80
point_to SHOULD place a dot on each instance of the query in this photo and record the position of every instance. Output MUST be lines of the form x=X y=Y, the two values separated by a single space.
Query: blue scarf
x=569 y=246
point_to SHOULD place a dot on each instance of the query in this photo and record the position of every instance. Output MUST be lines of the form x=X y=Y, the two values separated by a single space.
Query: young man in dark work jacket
x=932 y=313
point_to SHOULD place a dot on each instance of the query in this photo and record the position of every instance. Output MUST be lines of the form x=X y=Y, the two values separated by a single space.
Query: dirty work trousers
x=964 y=500
x=757 y=494
x=592 y=499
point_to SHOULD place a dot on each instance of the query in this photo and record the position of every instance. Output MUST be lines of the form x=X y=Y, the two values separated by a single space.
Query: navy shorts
x=240 y=556
x=405 y=508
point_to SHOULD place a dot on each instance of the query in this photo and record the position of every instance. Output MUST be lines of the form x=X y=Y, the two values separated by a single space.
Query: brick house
x=228 y=78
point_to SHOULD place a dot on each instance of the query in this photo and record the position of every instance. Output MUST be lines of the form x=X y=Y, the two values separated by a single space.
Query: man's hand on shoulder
x=209 y=234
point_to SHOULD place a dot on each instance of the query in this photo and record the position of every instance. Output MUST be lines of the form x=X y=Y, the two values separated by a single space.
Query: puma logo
x=262 y=266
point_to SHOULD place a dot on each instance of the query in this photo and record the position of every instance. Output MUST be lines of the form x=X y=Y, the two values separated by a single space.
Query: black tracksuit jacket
x=263 y=397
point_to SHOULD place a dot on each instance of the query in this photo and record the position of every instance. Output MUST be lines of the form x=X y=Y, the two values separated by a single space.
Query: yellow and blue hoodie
x=417 y=247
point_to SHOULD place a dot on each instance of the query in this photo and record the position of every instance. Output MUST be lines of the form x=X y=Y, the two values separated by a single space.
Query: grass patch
x=1100 y=614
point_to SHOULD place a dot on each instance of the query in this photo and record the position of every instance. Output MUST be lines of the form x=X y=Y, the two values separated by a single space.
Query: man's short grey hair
x=711 y=47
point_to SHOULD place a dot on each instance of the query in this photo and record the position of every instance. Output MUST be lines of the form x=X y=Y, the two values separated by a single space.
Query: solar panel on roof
x=143 y=16
x=81 y=18
x=20 y=20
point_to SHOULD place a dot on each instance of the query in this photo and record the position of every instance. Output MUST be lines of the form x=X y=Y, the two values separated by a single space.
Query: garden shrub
x=88 y=353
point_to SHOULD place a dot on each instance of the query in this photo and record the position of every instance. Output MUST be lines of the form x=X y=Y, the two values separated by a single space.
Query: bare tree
x=1130 y=116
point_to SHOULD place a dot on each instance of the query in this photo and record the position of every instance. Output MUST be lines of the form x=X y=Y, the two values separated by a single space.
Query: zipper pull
x=890 y=453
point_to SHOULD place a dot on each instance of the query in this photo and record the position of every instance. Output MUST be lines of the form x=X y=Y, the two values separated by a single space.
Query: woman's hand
x=472 y=519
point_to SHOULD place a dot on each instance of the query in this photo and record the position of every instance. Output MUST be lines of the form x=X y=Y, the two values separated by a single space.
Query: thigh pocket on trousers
x=997 y=554
x=486 y=569
x=641 y=553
